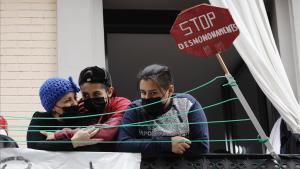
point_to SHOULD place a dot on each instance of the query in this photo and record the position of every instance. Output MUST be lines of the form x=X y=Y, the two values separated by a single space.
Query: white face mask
x=3 y=132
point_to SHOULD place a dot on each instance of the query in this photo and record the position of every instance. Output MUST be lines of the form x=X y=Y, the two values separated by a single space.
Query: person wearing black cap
x=98 y=97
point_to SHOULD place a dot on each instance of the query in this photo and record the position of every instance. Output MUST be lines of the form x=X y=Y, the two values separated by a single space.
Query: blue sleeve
x=137 y=144
x=198 y=131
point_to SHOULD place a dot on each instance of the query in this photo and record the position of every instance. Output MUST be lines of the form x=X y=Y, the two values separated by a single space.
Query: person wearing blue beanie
x=102 y=106
x=54 y=89
x=58 y=97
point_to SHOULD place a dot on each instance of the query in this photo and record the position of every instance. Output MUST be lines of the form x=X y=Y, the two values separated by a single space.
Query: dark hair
x=159 y=74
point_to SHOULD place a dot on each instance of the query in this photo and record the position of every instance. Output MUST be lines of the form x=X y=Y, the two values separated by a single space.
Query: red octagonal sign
x=204 y=30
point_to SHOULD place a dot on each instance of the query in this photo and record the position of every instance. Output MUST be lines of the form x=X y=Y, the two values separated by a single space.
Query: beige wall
x=28 y=57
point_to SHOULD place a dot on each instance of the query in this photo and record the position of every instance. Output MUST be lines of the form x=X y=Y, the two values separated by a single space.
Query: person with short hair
x=166 y=126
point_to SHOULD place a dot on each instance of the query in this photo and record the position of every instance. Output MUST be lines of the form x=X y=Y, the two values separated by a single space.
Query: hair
x=159 y=74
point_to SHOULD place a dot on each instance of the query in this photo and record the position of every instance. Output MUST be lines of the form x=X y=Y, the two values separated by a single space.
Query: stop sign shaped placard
x=204 y=30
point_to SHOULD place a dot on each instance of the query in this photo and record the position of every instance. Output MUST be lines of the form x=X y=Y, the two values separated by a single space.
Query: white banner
x=14 y=158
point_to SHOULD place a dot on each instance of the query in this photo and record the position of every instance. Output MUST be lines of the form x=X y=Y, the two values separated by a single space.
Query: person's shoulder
x=119 y=99
x=184 y=99
x=136 y=103
x=186 y=96
x=41 y=114
x=134 y=106
x=118 y=103
x=36 y=118
x=132 y=110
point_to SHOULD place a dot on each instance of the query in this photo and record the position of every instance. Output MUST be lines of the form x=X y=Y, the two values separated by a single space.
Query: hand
x=83 y=137
x=82 y=109
x=49 y=135
x=180 y=144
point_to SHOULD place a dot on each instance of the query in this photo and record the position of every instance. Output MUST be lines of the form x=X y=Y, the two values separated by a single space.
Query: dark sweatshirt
x=180 y=104
x=38 y=141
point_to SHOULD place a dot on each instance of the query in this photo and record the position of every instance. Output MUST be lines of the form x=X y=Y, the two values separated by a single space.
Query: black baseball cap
x=95 y=74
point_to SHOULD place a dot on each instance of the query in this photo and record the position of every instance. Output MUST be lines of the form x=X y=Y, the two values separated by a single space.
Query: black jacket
x=36 y=140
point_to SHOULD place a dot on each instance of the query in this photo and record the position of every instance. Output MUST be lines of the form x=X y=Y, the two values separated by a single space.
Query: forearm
x=109 y=129
x=107 y=134
x=147 y=146
x=64 y=134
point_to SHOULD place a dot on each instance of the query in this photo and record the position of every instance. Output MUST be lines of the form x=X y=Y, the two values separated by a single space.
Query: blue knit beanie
x=54 y=89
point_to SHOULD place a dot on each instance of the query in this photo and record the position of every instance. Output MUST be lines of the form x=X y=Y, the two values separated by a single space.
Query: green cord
x=166 y=117
x=232 y=83
x=137 y=125
x=262 y=140
x=145 y=125
x=172 y=116
x=139 y=107
x=135 y=141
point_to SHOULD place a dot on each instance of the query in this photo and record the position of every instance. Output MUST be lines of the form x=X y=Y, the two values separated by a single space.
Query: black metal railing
x=223 y=161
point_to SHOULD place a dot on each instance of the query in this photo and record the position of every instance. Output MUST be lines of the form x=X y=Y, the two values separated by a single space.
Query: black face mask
x=156 y=109
x=95 y=105
x=71 y=111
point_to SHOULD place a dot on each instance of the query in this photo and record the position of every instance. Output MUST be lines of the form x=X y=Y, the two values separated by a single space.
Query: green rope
x=263 y=141
x=139 y=107
x=232 y=83
x=135 y=141
x=205 y=84
x=145 y=125
x=172 y=116
x=137 y=125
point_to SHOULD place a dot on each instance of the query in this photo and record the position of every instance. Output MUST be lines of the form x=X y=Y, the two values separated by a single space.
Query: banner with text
x=14 y=158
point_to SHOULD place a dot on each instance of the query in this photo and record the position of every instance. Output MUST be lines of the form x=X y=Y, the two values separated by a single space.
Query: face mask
x=95 y=105
x=71 y=111
x=156 y=109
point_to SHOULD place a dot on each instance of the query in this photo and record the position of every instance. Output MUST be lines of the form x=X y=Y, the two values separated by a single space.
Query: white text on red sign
x=201 y=22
